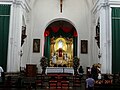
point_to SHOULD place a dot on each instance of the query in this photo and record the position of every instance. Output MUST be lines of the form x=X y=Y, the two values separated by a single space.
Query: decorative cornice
x=98 y=6
x=24 y=4
x=6 y=1
x=114 y=2
x=95 y=6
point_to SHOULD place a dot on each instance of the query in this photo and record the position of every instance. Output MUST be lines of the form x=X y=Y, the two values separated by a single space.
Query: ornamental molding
x=99 y=5
x=114 y=2
x=24 y=4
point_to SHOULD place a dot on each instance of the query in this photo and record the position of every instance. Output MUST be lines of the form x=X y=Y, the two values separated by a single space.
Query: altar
x=68 y=70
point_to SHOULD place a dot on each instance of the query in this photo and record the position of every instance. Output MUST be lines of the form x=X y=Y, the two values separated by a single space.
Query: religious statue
x=65 y=57
x=60 y=52
x=54 y=58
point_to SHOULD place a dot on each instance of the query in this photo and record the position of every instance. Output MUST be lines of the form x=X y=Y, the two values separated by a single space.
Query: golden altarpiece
x=60 y=44
x=61 y=52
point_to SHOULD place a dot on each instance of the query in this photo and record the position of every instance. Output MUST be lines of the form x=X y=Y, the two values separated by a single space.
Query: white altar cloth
x=59 y=70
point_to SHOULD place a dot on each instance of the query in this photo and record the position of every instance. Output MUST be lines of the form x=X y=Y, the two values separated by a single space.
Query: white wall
x=78 y=12
x=40 y=15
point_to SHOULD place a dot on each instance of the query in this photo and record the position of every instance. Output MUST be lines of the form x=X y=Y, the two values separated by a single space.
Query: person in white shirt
x=90 y=83
x=1 y=70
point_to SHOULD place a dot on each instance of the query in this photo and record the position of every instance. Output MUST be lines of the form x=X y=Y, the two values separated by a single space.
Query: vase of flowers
x=76 y=64
x=43 y=64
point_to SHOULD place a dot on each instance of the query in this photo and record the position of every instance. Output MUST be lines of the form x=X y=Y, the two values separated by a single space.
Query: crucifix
x=61 y=2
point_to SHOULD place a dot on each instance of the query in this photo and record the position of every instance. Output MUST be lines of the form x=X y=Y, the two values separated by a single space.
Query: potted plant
x=43 y=64
x=76 y=64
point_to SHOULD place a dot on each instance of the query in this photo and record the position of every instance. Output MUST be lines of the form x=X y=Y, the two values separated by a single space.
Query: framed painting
x=84 y=46
x=36 y=45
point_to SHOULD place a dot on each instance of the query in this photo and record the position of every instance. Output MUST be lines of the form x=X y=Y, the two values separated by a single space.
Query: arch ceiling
x=61 y=28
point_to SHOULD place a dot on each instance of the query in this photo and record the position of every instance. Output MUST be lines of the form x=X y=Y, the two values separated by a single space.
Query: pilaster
x=14 y=47
x=105 y=39
x=101 y=9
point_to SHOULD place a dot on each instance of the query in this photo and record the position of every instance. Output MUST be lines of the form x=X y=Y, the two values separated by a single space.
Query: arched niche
x=60 y=40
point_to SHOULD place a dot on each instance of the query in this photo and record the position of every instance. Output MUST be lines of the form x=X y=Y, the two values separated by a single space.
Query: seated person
x=90 y=82
x=8 y=82
x=106 y=77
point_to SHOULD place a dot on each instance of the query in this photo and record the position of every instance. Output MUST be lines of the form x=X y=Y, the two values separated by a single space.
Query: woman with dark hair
x=94 y=72
x=80 y=71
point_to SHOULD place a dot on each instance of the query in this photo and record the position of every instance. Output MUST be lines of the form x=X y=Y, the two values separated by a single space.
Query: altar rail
x=59 y=70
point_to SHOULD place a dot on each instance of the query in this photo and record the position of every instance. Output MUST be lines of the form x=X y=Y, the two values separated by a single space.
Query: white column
x=10 y=42
x=109 y=40
x=105 y=39
x=13 y=62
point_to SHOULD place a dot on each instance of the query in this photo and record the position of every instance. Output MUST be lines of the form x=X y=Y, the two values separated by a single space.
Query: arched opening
x=60 y=43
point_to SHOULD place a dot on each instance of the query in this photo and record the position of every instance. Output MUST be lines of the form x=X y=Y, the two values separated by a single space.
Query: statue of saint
x=54 y=58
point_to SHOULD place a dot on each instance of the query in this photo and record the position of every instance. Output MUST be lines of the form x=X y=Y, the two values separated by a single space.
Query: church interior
x=43 y=43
